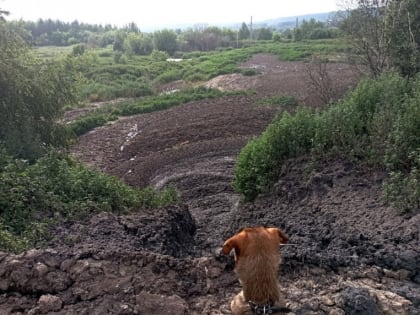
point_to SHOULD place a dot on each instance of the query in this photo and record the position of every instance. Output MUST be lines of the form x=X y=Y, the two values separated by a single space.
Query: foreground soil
x=349 y=252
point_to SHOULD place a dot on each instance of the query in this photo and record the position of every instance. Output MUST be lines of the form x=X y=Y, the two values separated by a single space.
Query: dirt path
x=353 y=254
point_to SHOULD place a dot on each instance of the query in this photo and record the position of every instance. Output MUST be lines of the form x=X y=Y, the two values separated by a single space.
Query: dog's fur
x=257 y=260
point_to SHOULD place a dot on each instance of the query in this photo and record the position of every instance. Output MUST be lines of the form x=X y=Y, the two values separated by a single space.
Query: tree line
x=201 y=37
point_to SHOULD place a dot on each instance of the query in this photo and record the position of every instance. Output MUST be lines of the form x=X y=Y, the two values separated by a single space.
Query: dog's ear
x=283 y=239
x=229 y=245
x=236 y=242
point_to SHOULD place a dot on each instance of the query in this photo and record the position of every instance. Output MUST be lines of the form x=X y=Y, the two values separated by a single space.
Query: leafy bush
x=249 y=72
x=402 y=155
x=79 y=49
x=357 y=125
x=402 y=189
x=258 y=161
x=33 y=94
x=90 y=122
x=169 y=76
x=57 y=188
x=9 y=242
x=381 y=118
x=404 y=138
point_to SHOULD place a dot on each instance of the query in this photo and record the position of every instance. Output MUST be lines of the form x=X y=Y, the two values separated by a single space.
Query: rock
x=41 y=269
x=410 y=291
x=357 y=301
x=49 y=303
x=326 y=300
x=154 y=304
x=404 y=274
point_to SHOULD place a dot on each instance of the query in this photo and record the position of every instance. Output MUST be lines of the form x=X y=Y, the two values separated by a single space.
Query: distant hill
x=280 y=23
x=290 y=21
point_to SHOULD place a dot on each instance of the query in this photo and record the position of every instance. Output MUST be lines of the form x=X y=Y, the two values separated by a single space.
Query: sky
x=157 y=13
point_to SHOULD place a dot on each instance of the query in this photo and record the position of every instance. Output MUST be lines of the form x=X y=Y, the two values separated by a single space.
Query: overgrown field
x=105 y=74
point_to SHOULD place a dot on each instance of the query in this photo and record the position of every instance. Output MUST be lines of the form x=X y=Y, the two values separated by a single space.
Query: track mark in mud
x=205 y=185
x=132 y=133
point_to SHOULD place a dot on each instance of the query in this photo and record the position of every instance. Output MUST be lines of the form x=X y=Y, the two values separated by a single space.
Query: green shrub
x=86 y=123
x=357 y=124
x=336 y=130
x=33 y=94
x=402 y=189
x=402 y=156
x=10 y=243
x=169 y=76
x=404 y=139
x=57 y=188
x=371 y=96
x=249 y=72
x=79 y=49
x=379 y=118
x=259 y=160
x=280 y=100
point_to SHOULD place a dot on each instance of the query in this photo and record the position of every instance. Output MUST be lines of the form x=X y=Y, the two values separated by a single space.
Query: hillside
x=283 y=23
x=350 y=253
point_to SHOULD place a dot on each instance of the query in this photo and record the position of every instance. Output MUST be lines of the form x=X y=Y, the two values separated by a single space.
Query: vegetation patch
x=280 y=100
x=104 y=115
x=108 y=74
x=57 y=188
x=378 y=124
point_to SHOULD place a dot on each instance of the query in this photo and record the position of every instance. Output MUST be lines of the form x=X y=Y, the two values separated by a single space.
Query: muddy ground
x=349 y=252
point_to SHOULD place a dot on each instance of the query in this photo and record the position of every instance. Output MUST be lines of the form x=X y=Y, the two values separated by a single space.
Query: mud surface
x=350 y=253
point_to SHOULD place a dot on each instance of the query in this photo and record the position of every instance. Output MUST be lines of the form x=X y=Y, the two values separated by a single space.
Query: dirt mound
x=352 y=254
x=172 y=234
x=337 y=217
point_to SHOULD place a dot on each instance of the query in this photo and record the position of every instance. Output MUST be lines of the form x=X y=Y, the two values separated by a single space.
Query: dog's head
x=254 y=239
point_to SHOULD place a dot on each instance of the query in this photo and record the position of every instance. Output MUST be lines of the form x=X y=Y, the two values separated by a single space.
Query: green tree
x=3 y=14
x=403 y=29
x=79 y=49
x=132 y=28
x=32 y=96
x=264 y=33
x=119 y=41
x=365 y=27
x=244 y=32
x=385 y=34
x=138 y=44
x=165 y=40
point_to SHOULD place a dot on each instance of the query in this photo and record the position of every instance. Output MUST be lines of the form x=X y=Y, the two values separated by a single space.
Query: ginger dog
x=257 y=260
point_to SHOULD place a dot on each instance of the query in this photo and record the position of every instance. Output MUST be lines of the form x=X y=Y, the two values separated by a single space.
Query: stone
x=358 y=301
x=155 y=304
x=49 y=303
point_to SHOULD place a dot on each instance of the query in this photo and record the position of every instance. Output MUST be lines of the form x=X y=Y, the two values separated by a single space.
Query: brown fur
x=257 y=260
